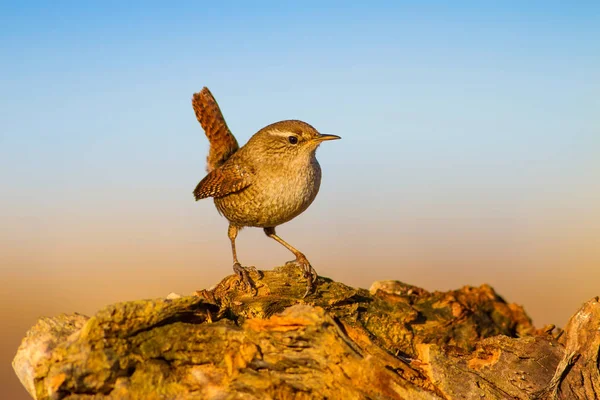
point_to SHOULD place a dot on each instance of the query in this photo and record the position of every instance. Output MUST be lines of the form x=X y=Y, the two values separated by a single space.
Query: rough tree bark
x=395 y=341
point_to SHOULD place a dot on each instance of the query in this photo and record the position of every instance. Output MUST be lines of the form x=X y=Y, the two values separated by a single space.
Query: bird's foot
x=308 y=272
x=245 y=280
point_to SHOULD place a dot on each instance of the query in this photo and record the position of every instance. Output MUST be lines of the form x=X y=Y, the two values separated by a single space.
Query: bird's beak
x=322 y=138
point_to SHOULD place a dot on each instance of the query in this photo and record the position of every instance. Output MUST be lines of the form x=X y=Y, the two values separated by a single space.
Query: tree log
x=394 y=341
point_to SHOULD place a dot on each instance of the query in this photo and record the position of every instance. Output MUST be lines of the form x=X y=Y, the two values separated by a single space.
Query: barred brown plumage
x=222 y=181
x=222 y=142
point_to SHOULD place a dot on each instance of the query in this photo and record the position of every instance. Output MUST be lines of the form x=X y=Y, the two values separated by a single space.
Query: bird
x=267 y=182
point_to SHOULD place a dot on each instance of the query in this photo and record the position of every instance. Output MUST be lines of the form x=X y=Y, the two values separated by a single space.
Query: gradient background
x=471 y=137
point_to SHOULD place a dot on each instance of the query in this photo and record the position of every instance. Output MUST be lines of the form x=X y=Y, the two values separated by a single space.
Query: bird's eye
x=293 y=139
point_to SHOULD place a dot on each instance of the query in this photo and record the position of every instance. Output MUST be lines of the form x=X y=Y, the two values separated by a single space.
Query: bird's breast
x=276 y=195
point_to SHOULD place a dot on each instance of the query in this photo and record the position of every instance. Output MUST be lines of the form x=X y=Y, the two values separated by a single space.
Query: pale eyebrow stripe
x=282 y=133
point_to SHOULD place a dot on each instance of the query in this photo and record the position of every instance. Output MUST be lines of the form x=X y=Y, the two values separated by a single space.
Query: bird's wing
x=230 y=178
x=222 y=142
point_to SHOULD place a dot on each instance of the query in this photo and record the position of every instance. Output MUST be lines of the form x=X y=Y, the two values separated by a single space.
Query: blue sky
x=420 y=91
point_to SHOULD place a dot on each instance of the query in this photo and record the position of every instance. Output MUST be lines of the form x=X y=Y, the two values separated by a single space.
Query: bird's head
x=288 y=139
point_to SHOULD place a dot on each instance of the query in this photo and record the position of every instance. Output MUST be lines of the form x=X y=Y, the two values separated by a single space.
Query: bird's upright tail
x=222 y=142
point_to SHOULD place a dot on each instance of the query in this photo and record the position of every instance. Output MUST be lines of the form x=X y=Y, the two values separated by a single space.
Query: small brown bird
x=265 y=183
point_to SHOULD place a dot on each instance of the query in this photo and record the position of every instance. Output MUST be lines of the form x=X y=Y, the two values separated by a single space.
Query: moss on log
x=394 y=341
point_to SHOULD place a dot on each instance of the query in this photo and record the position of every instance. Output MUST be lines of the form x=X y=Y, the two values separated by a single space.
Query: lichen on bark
x=394 y=341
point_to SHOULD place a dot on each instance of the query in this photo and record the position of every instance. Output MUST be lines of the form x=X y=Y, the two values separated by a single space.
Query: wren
x=267 y=182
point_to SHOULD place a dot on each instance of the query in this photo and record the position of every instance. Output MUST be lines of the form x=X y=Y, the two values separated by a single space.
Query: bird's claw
x=308 y=272
x=245 y=280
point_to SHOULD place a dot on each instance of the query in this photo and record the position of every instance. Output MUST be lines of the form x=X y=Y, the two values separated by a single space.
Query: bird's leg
x=241 y=272
x=307 y=270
